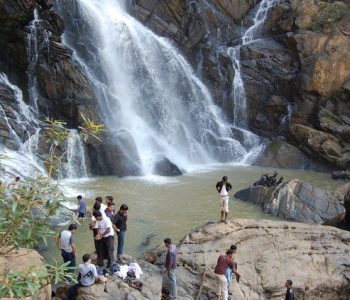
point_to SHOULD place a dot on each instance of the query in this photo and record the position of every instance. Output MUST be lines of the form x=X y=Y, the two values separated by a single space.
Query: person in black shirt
x=119 y=225
x=290 y=291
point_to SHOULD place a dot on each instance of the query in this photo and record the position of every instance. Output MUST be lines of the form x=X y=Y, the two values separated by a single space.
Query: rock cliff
x=296 y=76
x=315 y=257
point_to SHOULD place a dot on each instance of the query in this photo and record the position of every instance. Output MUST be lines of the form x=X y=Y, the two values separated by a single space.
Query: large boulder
x=269 y=252
x=20 y=260
x=297 y=200
x=164 y=167
x=280 y=154
x=319 y=143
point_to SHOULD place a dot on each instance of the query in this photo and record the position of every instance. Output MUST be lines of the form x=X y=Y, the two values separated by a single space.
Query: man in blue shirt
x=81 y=207
x=169 y=278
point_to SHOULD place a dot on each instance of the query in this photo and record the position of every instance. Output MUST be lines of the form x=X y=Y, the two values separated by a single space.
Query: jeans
x=69 y=256
x=228 y=275
x=169 y=283
x=72 y=291
x=81 y=215
x=105 y=249
x=121 y=237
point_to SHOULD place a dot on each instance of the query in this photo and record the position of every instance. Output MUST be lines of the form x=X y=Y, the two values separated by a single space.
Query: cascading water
x=76 y=162
x=250 y=35
x=22 y=161
x=145 y=88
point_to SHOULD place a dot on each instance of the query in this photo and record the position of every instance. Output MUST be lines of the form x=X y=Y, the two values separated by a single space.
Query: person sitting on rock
x=229 y=270
x=14 y=184
x=223 y=187
x=224 y=261
x=290 y=291
x=87 y=276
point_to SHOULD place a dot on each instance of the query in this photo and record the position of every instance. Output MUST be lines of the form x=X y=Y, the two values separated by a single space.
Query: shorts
x=224 y=203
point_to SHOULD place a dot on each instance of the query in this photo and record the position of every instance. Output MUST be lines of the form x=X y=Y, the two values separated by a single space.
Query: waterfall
x=76 y=162
x=21 y=124
x=250 y=35
x=37 y=39
x=146 y=89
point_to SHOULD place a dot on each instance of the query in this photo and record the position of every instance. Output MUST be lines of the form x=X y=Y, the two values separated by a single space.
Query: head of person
x=18 y=178
x=110 y=206
x=288 y=284
x=86 y=258
x=233 y=248
x=79 y=197
x=229 y=253
x=109 y=199
x=167 y=242
x=98 y=215
x=96 y=207
x=123 y=208
x=72 y=228
x=98 y=200
x=224 y=179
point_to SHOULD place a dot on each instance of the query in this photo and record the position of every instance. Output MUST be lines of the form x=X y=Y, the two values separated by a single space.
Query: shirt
x=119 y=221
x=223 y=191
x=290 y=294
x=171 y=256
x=82 y=206
x=104 y=224
x=66 y=241
x=109 y=213
x=94 y=219
x=87 y=274
x=223 y=263
x=220 y=184
x=103 y=207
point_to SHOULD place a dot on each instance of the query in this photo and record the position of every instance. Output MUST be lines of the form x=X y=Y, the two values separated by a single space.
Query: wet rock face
x=300 y=64
x=307 y=254
x=164 y=167
x=298 y=201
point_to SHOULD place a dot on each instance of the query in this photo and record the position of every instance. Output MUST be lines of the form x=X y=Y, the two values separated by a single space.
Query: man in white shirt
x=64 y=241
x=104 y=238
x=223 y=187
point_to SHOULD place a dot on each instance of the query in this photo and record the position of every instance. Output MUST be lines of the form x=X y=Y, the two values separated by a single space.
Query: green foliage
x=20 y=284
x=328 y=16
x=25 y=212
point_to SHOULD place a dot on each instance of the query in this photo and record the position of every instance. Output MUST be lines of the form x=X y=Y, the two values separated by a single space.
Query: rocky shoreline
x=315 y=257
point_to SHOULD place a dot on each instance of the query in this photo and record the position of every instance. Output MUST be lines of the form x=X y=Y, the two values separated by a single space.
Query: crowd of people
x=106 y=224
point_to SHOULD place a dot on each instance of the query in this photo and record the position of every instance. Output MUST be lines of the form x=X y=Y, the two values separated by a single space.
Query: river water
x=161 y=207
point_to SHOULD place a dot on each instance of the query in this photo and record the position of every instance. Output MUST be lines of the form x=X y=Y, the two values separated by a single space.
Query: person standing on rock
x=119 y=225
x=64 y=241
x=170 y=264
x=100 y=201
x=229 y=270
x=224 y=261
x=110 y=210
x=290 y=291
x=223 y=187
x=81 y=207
x=105 y=239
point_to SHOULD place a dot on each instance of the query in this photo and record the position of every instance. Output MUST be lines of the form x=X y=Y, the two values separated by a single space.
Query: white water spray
x=146 y=88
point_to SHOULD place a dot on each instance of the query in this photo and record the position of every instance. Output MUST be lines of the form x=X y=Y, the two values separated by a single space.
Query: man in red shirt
x=224 y=261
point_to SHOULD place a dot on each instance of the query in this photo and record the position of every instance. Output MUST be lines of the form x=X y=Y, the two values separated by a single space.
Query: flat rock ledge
x=315 y=257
